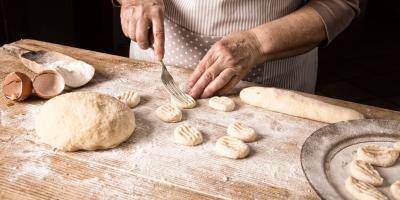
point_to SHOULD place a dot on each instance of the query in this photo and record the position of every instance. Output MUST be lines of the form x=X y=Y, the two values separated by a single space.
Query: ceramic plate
x=326 y=154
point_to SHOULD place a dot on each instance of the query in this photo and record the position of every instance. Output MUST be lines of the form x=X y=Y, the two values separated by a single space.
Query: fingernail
x=203 y=96
x=143 y=45
x=192 y=94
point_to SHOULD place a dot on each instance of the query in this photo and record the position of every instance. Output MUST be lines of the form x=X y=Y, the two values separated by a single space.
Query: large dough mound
x=84 y=121
x=295 y=104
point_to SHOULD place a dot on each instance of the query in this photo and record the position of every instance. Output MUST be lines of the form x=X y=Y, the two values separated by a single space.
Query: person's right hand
x=143 y=21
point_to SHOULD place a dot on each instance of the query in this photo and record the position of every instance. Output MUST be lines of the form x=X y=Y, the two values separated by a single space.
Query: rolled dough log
x=292 y=103
x=84 y=121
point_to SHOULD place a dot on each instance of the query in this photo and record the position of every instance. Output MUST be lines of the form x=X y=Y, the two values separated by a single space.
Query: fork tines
x=176 y=92
x=171 y=86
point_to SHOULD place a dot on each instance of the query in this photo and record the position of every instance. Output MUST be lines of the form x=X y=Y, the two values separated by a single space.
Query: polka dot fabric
x=185 y=47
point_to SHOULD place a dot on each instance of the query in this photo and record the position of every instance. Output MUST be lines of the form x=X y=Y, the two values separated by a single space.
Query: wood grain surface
x=150 y=165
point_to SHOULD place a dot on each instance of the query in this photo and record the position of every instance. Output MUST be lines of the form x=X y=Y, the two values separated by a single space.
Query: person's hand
x=225 y=64
x=143 y=21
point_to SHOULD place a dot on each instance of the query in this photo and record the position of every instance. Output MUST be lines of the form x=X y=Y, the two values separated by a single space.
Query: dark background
x=361 y=65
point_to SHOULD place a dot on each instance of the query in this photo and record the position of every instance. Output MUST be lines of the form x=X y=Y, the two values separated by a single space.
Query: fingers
x=142 y=33
x=205 y=63
x=132 y=29
x=207 y=77
x=229 y=86
x=223 y=79
x=124 y=22
x=159 y=36
x=131 y=23
x=126 y=13
x=143 y=22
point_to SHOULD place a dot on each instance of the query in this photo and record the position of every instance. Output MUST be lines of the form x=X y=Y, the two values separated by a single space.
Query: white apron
x=193 y=26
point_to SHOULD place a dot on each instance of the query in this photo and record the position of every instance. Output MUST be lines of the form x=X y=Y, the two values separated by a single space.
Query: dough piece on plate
x=222 y=103
x=377 y=155
x=84 y=121
x=296 y=104
x=363 y=191
x=242 y=132
x=397 y=146
x=187 y=135
x=169 y=113
x=191 y=103
x=365 y=172
x=231 y=147
x=130 y=98
x=395 y=190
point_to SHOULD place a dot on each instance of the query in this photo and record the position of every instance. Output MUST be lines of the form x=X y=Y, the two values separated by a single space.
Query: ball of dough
x=187 y=135
x=377 y=155
x=169 y=113
x=242 y=131
x=364 y=191
x=395 y=190
x=84 y=121
x=222 y=103
x=190 y=103
x=231 y=147
x=130 y=98
x=365 y=172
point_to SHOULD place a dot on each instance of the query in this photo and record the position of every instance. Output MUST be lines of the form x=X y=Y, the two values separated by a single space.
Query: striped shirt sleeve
x=335 y=14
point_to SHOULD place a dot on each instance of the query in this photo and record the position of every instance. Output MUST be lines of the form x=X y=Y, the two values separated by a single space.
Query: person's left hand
x=225 y=64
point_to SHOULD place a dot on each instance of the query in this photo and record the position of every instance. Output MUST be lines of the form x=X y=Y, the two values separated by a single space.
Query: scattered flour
x=150 y=152
x=23 y=120
x=37 y=170
x=225 y=178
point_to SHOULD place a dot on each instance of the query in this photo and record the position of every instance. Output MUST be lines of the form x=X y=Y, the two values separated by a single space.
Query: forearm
x=291 y=35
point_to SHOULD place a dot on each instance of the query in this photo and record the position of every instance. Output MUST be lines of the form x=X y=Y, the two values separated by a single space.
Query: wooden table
x=149 y=165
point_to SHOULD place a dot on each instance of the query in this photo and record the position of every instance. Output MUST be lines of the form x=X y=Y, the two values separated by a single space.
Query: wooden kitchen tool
x=76 y=73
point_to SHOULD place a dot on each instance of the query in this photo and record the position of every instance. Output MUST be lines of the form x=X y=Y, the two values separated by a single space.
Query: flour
x=39 y=171
x=23 y=120
x=34 y=162
x=151 y=153
x=75 y=73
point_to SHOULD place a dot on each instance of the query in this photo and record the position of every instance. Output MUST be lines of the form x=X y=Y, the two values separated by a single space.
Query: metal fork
x=171 y=86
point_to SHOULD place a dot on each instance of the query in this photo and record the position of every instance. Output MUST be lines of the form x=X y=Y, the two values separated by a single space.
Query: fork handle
x=162 y=64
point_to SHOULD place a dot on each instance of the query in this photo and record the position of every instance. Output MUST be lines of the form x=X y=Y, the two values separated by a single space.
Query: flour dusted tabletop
x=150 y=165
